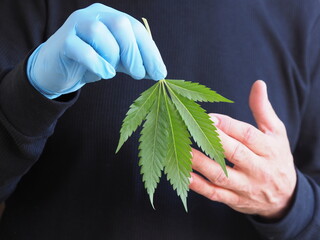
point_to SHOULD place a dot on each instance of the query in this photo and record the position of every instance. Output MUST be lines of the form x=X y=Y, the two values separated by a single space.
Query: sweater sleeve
x=303 y=219
x=27 y=118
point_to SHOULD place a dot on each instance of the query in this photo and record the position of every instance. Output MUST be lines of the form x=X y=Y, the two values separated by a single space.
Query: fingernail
x=190 y=180
x=264 y=85
x=214 y=119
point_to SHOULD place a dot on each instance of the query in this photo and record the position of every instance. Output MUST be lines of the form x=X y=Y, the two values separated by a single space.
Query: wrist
x=274 y=216
x=301 y=213
x=282 y=208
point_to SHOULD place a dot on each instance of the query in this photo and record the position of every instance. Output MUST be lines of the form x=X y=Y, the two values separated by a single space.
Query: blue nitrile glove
x=94 y=43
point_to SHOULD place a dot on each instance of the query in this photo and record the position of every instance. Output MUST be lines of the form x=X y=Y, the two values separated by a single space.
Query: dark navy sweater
x=59 y=173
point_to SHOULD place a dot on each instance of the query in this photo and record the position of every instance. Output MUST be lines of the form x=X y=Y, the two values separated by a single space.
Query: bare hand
x=263 y=178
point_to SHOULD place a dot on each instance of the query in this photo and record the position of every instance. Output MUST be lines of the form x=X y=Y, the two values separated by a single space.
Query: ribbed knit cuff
x=299 y=216
x=27 y=110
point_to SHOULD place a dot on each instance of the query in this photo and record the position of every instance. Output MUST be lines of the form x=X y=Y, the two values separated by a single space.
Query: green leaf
x=165 y=136
x=200 y=126
x=153 y=145
x=195 y=91
x=137 y=113
x=165 y=139
x=178 y=161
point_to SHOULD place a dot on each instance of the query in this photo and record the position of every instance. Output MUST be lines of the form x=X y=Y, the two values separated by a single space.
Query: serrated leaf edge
x=174 y=95
x=122 y=139
x=151 y=192
x=183 y=198
x=212 y=93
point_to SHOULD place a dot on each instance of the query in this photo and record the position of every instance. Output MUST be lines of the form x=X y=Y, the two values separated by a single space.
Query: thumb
x=263 y=112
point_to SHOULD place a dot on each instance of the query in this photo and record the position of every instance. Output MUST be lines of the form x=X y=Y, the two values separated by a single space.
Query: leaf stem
x=146 y=24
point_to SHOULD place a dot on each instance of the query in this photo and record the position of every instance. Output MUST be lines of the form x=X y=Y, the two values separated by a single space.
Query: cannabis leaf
x=165 y=142
x=178 y=162
x=194 y=91
x=153 y=144
x=200 y=126
x=136 y=114
x=165 y=139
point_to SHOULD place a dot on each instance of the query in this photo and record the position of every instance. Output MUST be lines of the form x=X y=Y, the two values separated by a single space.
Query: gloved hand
x=94 y=43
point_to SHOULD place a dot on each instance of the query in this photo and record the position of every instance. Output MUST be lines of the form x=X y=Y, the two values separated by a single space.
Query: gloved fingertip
x=109 y=72
x=138 y=73
x=159 y=73
x=137 y=77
